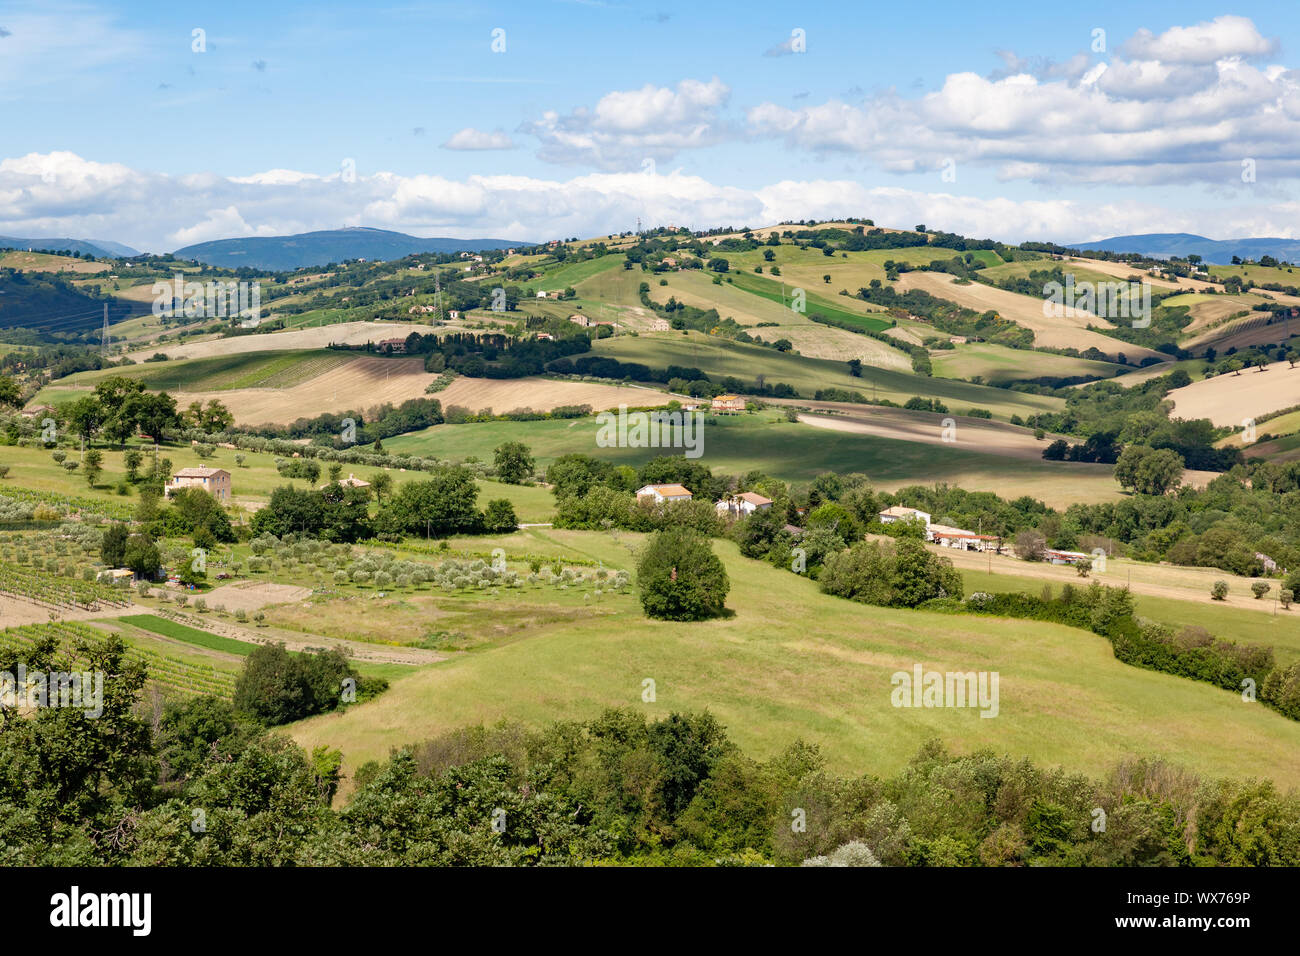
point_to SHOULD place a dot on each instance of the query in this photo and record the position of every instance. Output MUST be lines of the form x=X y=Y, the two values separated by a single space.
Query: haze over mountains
x=1162 y=245
x=280 y=253
x=285 y=253
x=94 y=247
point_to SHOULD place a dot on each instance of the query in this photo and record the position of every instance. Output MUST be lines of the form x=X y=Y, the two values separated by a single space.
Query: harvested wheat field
x=371 y=380
x=342 y=333
x=966 y=434
x=1066 y=331
x=255 y=595
x=1208 y=311
x=840 y=345
x=543 y=394
x=1228 y=399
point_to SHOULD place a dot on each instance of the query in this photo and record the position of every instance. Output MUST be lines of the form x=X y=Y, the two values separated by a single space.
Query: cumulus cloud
x=470 y=138
x=219 y=224
x=628 y=126
x=1226 y=36
x=1191 y=116
x=64 y=194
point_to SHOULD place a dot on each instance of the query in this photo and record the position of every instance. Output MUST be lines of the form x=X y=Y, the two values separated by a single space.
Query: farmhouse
x=728 y=403
x=1065 y=557
x=964 y=540
x=661 y=494
x=393 y=345
x=660 y=325
x=742 y=504
x=215 y=481
x=899 y=513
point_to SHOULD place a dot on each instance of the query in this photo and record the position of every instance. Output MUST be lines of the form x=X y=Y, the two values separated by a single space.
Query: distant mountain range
x=1162 y=245
x=281 y=253
x=96 y=247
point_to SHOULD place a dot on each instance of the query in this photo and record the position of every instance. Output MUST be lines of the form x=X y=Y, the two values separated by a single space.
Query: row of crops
x=117 y=510
x=172 y=673
x=53 y=591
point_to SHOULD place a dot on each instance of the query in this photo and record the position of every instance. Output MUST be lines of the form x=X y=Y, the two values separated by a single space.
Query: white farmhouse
x=663 y=493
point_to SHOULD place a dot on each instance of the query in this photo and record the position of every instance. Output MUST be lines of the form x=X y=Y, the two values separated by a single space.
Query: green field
x=252 y=482
x=190 y=635
x=719 y=358
x=1254 y=275
x=793 y=663
x=276 y=369
x=997 y=364
x=816 y=303
x=1022 y=268
x=1280 y=631
x=790 y=451
x=569 y=274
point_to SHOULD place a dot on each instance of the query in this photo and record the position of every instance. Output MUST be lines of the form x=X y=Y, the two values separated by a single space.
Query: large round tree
x=680 y=578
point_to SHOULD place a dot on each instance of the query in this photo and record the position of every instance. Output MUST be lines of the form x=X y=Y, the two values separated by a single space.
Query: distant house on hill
x=393 y=345
x=899 y=513
x=215 y=481
x=662 y=494
x=742 y=504
x=728 y=403
x=660 y=325
x=1269 y=564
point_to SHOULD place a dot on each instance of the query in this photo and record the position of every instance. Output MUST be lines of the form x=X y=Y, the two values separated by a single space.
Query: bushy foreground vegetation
x=203 y=785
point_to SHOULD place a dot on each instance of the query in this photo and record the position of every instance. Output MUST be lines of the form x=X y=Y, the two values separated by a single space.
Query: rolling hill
x=94 y=247
x=1162 y=245
x=283 y=253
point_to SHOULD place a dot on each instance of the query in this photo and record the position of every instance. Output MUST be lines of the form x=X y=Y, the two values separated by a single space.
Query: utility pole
x=103 y=338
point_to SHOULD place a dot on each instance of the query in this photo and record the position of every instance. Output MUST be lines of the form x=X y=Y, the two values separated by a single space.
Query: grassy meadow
x=793 y=663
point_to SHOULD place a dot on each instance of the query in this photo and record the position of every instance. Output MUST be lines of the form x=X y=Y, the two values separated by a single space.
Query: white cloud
x=1189 y=118
x=275 y=177
x=628 y=126
x=470 y=138
x=220 y=224
x=1225 y=36
x=157 y=213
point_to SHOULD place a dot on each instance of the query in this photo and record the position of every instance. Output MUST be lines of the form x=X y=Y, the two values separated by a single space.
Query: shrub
x=680 y=577
x=901 y=574
x=1219 y=590
x=1259 y=589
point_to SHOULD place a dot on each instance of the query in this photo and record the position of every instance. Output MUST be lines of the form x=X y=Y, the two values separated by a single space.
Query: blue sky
x=112 y=125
